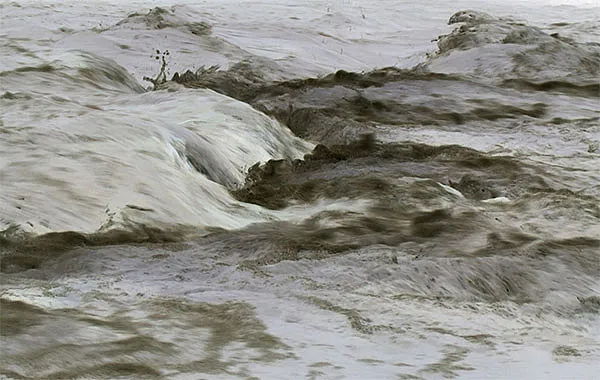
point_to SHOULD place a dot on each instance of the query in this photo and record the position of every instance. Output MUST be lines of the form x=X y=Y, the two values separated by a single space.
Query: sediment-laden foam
x=124 y=339
x=339 y=107
x=505 y=49
x=333 y=110
x=450 y=209
x=160 y=18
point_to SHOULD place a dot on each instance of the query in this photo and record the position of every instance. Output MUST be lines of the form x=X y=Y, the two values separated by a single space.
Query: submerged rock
x=473 y=188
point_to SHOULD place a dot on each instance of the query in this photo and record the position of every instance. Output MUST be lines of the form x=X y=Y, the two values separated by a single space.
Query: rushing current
x=317 y=189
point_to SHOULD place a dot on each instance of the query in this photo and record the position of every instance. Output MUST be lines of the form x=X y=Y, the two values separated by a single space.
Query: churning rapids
x=331 y=190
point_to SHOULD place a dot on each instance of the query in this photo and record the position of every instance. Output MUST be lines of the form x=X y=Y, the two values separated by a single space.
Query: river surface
x=310 y=189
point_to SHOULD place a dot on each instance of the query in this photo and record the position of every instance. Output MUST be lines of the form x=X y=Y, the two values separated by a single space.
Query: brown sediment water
x=378 y=211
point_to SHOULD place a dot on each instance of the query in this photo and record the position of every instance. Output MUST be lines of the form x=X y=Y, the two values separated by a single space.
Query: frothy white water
x=306 y=39
x=82 y=145
x=84 y=148
x=351 y=316
x=500 y=49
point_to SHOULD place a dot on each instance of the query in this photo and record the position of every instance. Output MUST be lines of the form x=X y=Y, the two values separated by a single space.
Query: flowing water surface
x=286 y=190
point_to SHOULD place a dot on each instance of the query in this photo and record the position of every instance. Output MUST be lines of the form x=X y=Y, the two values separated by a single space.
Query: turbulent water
x=321 y=190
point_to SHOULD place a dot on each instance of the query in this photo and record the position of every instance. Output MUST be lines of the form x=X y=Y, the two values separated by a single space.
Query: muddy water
x=278 y=218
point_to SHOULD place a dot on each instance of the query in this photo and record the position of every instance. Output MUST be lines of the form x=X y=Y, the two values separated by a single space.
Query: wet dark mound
x=245 y=81
x=473 y=187
x=160 y=18
x=371 y=170
x=400 y=181
x=479 y=28
x=521 y=55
